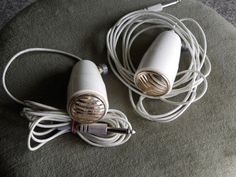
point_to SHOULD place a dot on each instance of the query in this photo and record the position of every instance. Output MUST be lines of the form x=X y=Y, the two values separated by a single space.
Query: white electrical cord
x=128 y=29
x=56 y=122
x=47 y=122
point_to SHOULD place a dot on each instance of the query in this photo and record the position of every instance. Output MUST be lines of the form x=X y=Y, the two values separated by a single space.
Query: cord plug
x=160 y=7
x=102 y=129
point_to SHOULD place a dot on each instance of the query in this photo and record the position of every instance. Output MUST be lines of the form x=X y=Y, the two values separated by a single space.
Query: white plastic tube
x=159 y=64
x=87 y=97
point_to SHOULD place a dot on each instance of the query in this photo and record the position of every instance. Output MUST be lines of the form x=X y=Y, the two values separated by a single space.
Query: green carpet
x=201 y=143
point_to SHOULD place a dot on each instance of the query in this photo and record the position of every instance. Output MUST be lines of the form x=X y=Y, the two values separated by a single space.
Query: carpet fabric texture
x=201 y=143
x=9 y=8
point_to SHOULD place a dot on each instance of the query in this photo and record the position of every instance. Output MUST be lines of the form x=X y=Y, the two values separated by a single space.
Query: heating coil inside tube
x=152 y=83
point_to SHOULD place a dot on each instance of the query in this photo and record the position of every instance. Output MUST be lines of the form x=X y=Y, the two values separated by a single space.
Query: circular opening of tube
x=152 y=83
x=86 y=108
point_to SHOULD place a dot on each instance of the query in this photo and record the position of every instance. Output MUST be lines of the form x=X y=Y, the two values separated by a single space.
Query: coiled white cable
x=47 y=122
x=128 y=29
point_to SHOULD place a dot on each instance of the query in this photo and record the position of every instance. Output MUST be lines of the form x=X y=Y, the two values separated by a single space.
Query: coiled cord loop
x=128 y=29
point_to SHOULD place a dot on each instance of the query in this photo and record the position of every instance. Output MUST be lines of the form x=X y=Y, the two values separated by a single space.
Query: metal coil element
x=152 y=83
x=87 y=108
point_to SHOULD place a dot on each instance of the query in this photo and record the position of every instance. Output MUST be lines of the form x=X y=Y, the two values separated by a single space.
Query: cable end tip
x=171 y=3
x=132 y=132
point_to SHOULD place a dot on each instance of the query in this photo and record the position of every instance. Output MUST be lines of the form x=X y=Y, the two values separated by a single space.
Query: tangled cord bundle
x=47 y=122
x=51 y=120
x=129 y=28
